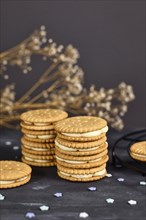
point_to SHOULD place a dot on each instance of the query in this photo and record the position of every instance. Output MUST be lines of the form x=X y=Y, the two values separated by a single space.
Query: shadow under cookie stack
x=38 y=147
x=81 y=148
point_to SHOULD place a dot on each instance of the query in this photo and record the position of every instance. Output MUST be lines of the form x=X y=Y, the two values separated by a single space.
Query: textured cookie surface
x=82 y=164
x=81 y=178
x=139 y=148
x=28 y=143
x=80 y=139
x=42 y=163
x=80 y=145
x=80 y=158
x=13 y=174
x=80 y=124
x=43 y=115
x=37 y=126
x=81 y=171
x=12 y=170
x=38 y=151
x=81 y=152
x=38 y=140
x=138 y=151
x=33 y=132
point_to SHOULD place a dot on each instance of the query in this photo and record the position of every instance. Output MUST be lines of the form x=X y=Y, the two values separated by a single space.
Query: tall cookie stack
x=81 y=148
x=38 y=147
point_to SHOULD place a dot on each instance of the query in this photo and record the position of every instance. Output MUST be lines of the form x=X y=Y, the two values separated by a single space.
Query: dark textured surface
x=76 y=197
x=110 y=36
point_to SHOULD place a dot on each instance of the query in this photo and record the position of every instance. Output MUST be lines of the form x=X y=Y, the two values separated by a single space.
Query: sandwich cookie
x=13 y=174
x=43 y=117
x=80 y=162
x=138 y=151
x=79 y=148
x=82 y=175
x=38 y=160
x=39 y=136
x=82 y=128
x=37 y=126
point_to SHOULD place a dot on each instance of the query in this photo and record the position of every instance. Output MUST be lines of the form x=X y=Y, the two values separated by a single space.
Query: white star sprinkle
x=109 y=175
x=110 y=200
x=2 y=197
x=92 y=188
x=83 y=215
x=44 y=208
x=8 y=143
x=120 y=179
x=15 y=148
x=143 y=183
x=132 y=202
x=30 y=215
x=58 y=194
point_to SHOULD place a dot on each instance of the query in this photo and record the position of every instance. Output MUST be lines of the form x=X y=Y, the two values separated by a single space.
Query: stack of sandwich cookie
x=38 y=147
x=138 y=151
x=81 y=148
x=13 y=174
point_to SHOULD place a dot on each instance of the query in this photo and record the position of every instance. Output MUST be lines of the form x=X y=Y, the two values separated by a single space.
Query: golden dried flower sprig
x=65 y=84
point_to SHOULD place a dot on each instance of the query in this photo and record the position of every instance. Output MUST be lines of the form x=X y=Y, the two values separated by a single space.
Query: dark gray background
x=110 y=36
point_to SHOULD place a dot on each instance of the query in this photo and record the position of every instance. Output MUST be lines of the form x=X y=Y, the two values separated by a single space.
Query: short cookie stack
x=38 y=147
x=81 y=148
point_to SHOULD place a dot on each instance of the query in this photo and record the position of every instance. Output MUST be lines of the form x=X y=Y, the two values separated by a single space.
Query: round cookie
x=13 y=174
x=81 y=128
x=80 y=139
x=138 y=151
x=82 y=175
x=38 y=164
x=81 y=164
x=81 y=171
x=80 y=145
x=31 y=144
x=37 y=126
x=38 y=151
x=43 y=116
x=45 y=132
x=38 y=160
x=31 y=138
x=39 y=136
x=64 y=149
x=37 y=157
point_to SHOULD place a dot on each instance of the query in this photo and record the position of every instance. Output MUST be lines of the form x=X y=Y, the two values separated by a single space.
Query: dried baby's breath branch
x=65 y=84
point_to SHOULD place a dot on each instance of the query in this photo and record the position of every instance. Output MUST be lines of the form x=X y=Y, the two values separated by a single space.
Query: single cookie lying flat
x=138 y=151
x=13 y=174
x=82 y=175
x=43 y=116
x=81 y=128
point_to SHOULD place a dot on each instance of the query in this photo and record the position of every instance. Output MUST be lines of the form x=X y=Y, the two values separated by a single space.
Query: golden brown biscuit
x=138 y=151
x=43 y=116
x=13 y=174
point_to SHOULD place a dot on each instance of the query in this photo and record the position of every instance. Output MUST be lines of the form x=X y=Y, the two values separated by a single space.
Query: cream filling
x=139 y=155
x=36 y=149
x=42 y=124
x=36 y=160
x=41 y=136
x=87 y=134
x=76 y=149
x=76 y=162
x=13 y=181
x=99 y=173
x=37 y=123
